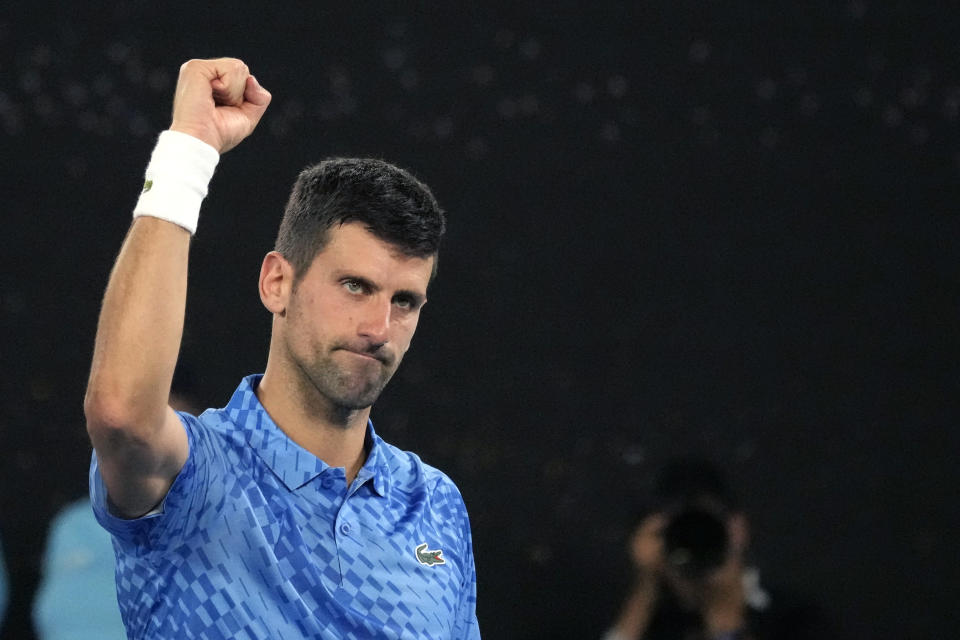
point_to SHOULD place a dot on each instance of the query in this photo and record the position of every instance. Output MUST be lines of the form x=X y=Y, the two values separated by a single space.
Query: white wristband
x=176 y=179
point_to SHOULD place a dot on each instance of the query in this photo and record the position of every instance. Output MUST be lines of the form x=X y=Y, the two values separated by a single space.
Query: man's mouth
x=368 y=355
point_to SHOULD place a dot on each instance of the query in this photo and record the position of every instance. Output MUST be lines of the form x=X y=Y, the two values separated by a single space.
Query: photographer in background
x=3 y=587
x=692 y=581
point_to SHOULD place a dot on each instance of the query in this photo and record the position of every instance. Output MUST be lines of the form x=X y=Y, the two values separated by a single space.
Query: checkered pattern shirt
x=258 y=538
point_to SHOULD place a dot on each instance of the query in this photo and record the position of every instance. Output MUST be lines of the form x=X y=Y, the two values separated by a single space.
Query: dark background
x=722 y=228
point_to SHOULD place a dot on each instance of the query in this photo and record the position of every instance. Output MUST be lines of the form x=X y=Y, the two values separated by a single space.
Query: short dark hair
x=392 y=204
x=684 y=481
x=689 y=479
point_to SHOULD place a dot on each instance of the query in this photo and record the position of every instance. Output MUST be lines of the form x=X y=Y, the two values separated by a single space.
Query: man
x=282 y=515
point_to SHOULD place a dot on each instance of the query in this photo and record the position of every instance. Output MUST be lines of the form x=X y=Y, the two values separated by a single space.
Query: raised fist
x=218 y=101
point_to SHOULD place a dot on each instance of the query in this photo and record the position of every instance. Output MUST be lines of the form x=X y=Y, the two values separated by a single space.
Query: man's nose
x=375 y=322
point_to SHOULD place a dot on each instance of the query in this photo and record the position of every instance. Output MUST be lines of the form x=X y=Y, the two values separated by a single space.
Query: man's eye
x=403 y=303
x=353 y=286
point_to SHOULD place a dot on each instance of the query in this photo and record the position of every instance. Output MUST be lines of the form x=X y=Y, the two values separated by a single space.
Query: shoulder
x=75 y=524
x=74 y=514
x=792 y=615
x=411 y=477
x=213 y=428
x=408 y=470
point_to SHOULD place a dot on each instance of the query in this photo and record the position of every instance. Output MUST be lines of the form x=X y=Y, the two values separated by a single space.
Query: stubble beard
x=335 y=389
x=340 y=390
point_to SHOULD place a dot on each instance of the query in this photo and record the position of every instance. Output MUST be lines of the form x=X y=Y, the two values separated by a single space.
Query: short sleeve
x=164 y=524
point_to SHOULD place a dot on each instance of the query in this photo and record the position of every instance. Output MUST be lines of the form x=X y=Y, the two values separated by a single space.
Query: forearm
x=637 y=611
x=140 y=442
x=140 y=329
x=141 y=321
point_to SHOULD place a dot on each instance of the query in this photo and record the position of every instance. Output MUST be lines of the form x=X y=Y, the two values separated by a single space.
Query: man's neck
x=335 y=436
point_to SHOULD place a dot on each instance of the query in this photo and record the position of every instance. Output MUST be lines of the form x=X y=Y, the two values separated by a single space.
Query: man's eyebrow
x=367 y=284
x=416 y=297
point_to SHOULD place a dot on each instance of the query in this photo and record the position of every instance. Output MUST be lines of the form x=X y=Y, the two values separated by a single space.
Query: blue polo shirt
x=258 y=538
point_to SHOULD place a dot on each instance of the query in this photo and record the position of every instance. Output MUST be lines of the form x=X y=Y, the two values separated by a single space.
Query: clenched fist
x=218 y=101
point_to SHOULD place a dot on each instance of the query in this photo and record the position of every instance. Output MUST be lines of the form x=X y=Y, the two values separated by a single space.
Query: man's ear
x=276 y=282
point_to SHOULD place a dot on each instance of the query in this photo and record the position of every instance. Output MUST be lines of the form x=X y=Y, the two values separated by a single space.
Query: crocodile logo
x=428 y=557
x=147 y=185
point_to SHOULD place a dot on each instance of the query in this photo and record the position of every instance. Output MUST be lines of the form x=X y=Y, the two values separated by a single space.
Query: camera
x=696 y=541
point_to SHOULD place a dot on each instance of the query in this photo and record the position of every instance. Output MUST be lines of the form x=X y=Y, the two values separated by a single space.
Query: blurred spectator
x=77 y=596
x=3 y=587
x=692 y=578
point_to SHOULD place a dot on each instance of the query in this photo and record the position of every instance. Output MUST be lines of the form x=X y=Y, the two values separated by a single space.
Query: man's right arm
x=140 y=443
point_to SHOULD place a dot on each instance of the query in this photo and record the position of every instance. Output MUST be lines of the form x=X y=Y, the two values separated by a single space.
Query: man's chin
x=351 y=387
x=359 y=399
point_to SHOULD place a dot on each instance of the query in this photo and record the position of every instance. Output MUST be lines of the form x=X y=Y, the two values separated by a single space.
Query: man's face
x=352 y=316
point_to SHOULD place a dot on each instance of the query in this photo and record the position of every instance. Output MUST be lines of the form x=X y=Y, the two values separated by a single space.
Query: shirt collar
x=291 y=463
x=375 y=469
